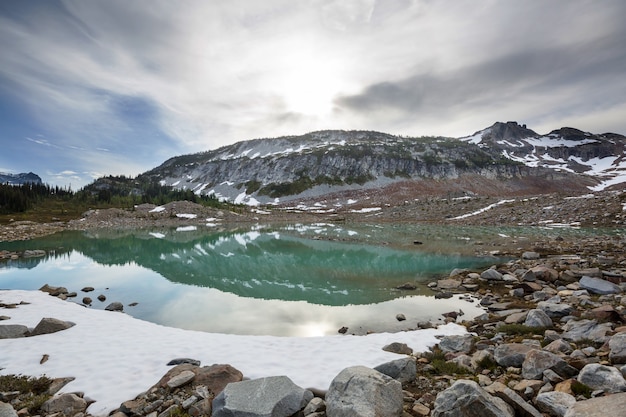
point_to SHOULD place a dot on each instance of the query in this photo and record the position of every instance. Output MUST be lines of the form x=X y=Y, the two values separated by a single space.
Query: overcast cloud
x=91 y=88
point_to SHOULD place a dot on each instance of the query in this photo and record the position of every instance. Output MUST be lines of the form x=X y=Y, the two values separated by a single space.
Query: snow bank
x=115 y=357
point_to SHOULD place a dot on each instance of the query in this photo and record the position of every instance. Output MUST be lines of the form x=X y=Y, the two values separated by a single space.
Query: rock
x=538 y=318
x=87 y=289
x=467 y=398
x=545 y=273
x=420 y=409
x=511 y=354
x=554 y=403
x=49 y=325
x=68 y=404
x=33 y=253
x=576 y=330
x=173 y=372
x=181 y=379
x=343 y=330
x=57 y=384
x=180 y=361
x=599 y=286
x=537 y=361
x=87 y=301
x=216 y=377
x=448 y=284
x=403 y=370
x=6 y=410
x=400 y=317
x=457 y=343
x=491 y=275
x=275 y=396
x=601 y=377
x=611 y=405
x=359 y=391
x=555 y=310
x=115 y=306
x=407 y=286
x=54 y=291
x=617 y=344
x=102 y=298
x=530 y=255
x=316 y=405
x=521 y=407
x=559 y=346
x=13 y=331
x=397 y=347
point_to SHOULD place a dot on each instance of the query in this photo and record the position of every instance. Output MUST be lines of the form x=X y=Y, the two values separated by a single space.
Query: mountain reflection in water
x=266 y=280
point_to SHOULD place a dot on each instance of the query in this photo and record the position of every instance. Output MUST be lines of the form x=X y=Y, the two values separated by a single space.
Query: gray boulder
x=115 y=306
x=491 y=275
x=403 y=370
x=13 y=331
x=457 y=343
x=538 y=318
x=511 y=354
x=359 y=391
x=538 y=361
x=611 y=405
x=576 y=330
x=521 y=407
x=6 y=410
x=68 y=404
x=602 y=377
x=599 y=286
x=275 y=396
x=555 y=403
x=467 y=398
x=555 y=310
x=617 y=344
x=49 y=325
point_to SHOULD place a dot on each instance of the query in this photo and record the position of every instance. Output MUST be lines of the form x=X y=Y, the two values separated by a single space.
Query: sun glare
x=310 y=87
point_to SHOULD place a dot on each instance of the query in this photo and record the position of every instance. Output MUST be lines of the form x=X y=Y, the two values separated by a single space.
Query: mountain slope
x=17 y=179
x=506 y=156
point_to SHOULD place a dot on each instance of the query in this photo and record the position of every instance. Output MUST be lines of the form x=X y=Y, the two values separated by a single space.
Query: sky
x=113 y=356
x=91 y=88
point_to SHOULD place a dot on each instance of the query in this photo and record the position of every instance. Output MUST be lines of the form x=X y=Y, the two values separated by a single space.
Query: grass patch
x=34 y=391
x=521 y=330
x=578 y=388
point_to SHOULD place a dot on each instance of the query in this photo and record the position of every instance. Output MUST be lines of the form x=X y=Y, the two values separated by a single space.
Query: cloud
x=119 y=87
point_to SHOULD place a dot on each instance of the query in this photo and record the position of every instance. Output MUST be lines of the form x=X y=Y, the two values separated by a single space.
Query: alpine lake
x=283 y=280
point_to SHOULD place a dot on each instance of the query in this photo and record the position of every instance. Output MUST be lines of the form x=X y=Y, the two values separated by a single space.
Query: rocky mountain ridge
x=18 y=179
x=278 y=170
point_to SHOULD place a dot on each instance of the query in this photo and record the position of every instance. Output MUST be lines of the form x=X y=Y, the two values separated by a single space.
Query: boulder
x=457 y=343
x=555 y=310
x=521 y=407
x=448 y=284
x=538 y=318
x=275 y=396
x=13 y=331
x=611 y=405
x=6 y=410
x=545 y=273
x=403 y=370
x=180 y=379
x=216 y=377
x=54 y=291
x=576 y=330
x=180 y=361
x=68 y=404
x=617 y=344
x=559 y=346
x=599 y=286
x=530 y=255
x=49 y=325
x=115 y=306
x=359 y=391
x=537 y=361
x=491 y=275
x=554 y=403
x=602 y=377
x=467 y=398
x=511 y=354
x=397 y=347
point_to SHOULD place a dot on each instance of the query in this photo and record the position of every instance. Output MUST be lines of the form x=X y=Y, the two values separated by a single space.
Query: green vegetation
x=43 y=203
x=33 y=391
x=442 y=367
x=578 y=388
x=521 y=330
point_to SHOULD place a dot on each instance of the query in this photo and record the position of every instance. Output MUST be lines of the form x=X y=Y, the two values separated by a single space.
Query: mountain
x=17 y=179
x=505 y=158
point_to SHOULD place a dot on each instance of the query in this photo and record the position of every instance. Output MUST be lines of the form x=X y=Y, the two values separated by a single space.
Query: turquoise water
x=287 y=280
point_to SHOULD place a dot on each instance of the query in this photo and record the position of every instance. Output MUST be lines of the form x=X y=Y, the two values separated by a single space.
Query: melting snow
x=186 y=229
x=157 y=209
x=366 y=210
x=186 y=216
x=482 y=210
